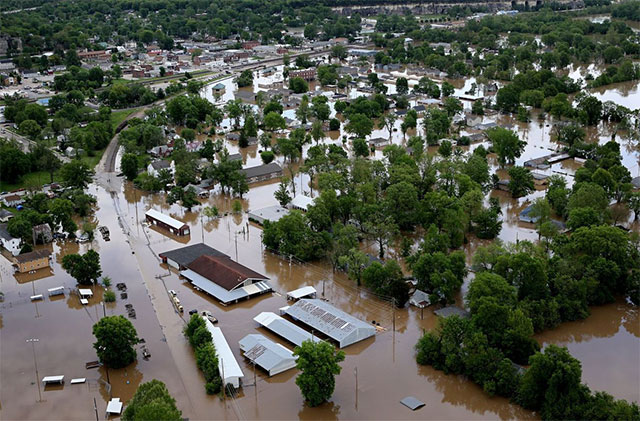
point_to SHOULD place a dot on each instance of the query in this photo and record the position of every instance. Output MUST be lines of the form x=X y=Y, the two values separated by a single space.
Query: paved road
x=26 y=144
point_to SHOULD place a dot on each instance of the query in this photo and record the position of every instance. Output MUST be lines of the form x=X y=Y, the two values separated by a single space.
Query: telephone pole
x=35 y=363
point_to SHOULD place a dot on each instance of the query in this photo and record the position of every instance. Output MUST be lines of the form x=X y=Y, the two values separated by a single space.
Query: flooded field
x=607 y=343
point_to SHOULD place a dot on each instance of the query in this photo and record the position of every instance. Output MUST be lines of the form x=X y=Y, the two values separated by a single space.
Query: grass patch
x=92 y=161
x=118 y=117
x=33 y=179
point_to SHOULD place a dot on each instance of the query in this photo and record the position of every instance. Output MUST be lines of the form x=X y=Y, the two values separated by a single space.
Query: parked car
x=84 y=238
x=192 y=312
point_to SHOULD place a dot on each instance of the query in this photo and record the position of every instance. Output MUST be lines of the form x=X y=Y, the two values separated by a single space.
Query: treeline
x=206 y=356
x=60 y=26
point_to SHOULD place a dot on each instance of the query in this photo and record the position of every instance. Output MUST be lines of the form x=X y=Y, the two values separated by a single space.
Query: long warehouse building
x=227 y=363
x=284 y=328
x=336 y=324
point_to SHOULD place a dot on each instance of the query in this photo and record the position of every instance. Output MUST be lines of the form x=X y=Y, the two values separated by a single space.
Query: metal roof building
x=227 y=363
x=336 y=324
x=306 y=291
x=270 y=213
x=284 y=328
x=182 y=257
x=301 y=202
x=269 y=355
x=165 y=221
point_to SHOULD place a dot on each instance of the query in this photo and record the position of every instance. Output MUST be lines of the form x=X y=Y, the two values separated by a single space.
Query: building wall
x=33 y=265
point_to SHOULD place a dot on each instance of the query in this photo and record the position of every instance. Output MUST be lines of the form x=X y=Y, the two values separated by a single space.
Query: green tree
x=318 y=363
x=402 y=85
x=274 y=121
x=360 y=147
x=83 y=268
x=506 y=144
x=298 y=85
x=76 y=174
x=282 y=194
x=520 y=181
x=245 y=79
x=355 y=262
x=129 y=166
x=359 y=125
x=152 y=401
x=115 y=340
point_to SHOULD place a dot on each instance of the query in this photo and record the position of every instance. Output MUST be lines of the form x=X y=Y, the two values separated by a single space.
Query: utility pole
x=323 y=288
x=223 y=383
x=104 y=309
x=393 y=309
x=236 y=237
x=356 y=372
x=202 y=227
x=95 y=408
x=35 y=363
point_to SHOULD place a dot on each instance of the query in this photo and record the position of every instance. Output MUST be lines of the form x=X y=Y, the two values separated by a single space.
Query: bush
x=334 y=124
x=267 y=156
x=109 y=297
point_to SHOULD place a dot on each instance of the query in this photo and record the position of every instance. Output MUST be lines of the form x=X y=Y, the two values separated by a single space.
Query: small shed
x=303 y=292
x=420 y=299
x=270 y=213
x=114 y=407
x=53 y=380
x=166 y=222
x=85 y=293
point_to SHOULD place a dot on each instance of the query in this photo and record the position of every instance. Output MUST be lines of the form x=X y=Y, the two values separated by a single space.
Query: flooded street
x=607 y=343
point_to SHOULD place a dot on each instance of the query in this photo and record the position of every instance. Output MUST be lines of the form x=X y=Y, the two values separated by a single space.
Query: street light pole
x=35 y=363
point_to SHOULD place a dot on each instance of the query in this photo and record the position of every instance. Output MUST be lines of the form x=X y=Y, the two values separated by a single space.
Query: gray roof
x=335 y=323
x=636 y=182
x=185 y=255
x=412 y=403
x=284 y=328
x=270 y=213
x=267 y=354
x=223 y=295
x=420 y=299
x=5 y=213
x=4 y=233
x=262 y=170
x=451 y=311
x=160 y=165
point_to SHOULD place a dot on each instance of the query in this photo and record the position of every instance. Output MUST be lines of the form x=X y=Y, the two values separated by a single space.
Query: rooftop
x=451 y=311
x=267 y=354
x=226 y=360
x=284 y=328
x=32 y=255
x=335 y=323
x=166 y=219
x=185 y=255
x=223 y=271
x=262 y=170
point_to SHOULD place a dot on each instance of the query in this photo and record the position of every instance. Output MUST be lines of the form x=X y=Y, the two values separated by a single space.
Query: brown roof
x=223 y=271
x=32 y=255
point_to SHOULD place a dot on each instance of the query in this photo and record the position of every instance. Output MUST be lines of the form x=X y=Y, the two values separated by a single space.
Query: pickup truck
x=209 y=316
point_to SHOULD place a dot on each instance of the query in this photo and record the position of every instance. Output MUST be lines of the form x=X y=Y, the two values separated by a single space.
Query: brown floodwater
x=607 y=343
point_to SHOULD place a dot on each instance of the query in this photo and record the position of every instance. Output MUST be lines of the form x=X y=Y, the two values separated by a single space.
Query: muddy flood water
x=607 y=343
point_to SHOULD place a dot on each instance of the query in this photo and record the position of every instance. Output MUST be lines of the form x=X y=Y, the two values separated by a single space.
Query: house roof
x=185 y=255
x=5 y=214
x=451 y=311
x=4 y=234
x=42 y=229
x=13 y=198
x=223 y=271
x=302 y=202
x=160 y=165
x=262 y=170
x=32 y=255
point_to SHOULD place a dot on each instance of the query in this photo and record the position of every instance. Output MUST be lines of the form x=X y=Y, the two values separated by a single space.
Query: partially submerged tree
x=115 y=340
x=318 y=363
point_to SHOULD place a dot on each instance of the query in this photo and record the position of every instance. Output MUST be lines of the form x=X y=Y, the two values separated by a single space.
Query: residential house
x=262 y=172
x=155 y=167
x=32 y=261
x=13 y=200
x=166 y=222
x=306 y=74
x=9 y=242
x=5 y=215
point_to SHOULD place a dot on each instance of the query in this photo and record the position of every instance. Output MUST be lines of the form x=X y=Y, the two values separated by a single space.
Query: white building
x=263 y=352
x=9 y=242
x=230 y=371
